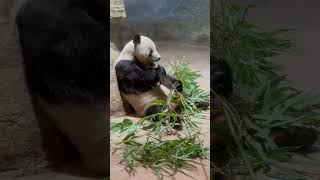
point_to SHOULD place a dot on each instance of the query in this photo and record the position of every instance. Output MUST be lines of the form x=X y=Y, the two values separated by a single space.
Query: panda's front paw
x=161 y=71
x=179 y=86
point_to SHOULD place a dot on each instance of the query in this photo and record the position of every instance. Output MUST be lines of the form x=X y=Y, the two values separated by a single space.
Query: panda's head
x=145 y=51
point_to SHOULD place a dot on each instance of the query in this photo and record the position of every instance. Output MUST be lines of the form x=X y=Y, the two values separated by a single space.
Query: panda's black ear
x=136 y=39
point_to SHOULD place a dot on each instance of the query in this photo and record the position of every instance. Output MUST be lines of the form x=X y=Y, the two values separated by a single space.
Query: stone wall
x=117 y=9
x=118 y=25
x=20 y=145
x=116 y=106
x=189 y=21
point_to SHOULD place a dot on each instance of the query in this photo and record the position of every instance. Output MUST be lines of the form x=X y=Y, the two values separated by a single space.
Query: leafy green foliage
x=169 y=156
x=181 y=70
x=122 y=126
x=273 y=103
x=145 y=143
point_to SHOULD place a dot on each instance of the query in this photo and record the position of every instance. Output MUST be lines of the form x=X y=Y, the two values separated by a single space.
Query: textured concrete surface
x=20 y=145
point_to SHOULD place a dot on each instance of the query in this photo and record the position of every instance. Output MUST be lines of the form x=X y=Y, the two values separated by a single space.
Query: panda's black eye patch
x=150 y=54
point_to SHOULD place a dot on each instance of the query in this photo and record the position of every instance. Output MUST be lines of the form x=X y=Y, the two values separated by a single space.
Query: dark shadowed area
x=303 y=61
x=21 y=152
x=20 y=146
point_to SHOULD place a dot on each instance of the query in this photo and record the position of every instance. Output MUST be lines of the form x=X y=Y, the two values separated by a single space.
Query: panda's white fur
x=141 y=52
x=143 y=101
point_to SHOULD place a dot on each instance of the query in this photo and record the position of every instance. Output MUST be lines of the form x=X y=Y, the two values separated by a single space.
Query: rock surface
x=20 y=145
x=117 y=9
x=186 y=21
x=116 y=107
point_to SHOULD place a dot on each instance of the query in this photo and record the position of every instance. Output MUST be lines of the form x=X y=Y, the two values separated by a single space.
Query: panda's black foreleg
x=155 y=109
x=132 y=79
x=171 y=82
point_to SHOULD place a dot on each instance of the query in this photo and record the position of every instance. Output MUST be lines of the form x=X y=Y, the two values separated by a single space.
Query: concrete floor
x=198 y=57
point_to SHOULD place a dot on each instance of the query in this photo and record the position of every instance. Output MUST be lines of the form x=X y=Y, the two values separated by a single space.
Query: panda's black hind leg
x=155 y=109
x=57 y=147
x=128 y=109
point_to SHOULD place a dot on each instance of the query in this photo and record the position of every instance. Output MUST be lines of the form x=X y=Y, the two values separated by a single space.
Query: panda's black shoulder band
x=136 y=39
x=132 y=79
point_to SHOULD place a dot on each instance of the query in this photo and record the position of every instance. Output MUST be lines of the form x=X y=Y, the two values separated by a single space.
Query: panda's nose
x=158 y=59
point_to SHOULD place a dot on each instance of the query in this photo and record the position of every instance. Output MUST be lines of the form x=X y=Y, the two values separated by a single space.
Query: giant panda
x=141 y=80
x=64 y=45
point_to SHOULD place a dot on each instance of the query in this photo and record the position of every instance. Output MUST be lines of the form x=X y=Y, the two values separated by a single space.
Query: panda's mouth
x=156 y=60
x=154 y=65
